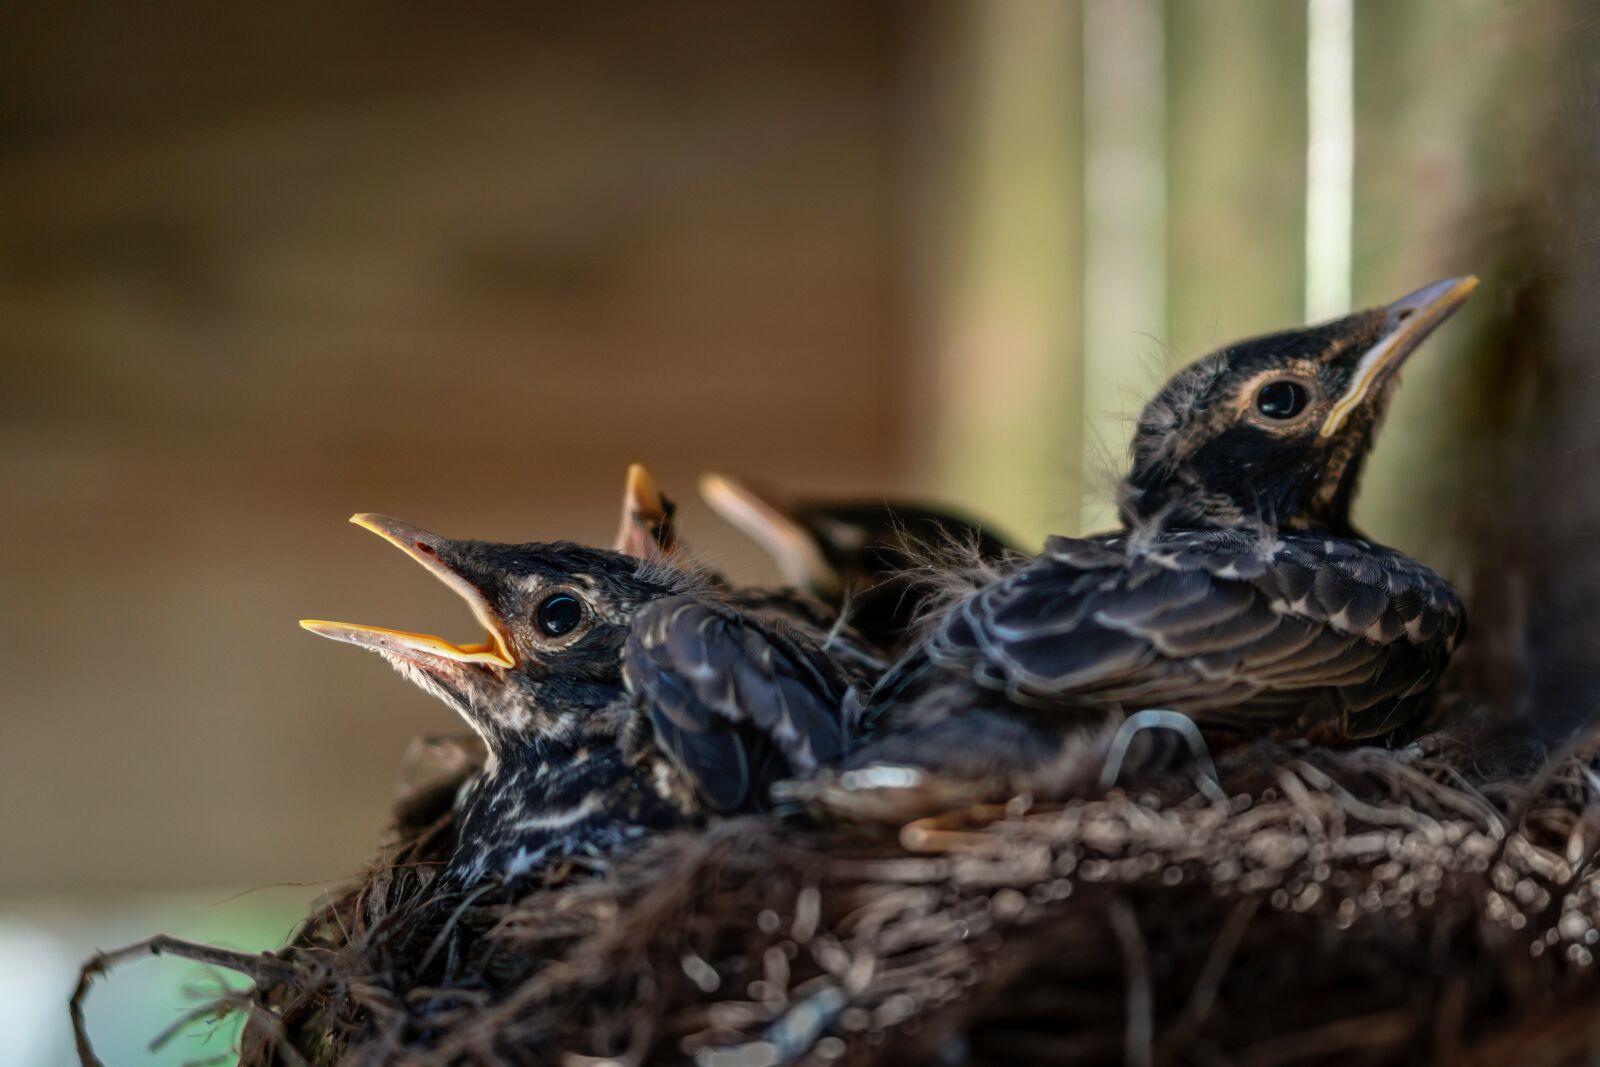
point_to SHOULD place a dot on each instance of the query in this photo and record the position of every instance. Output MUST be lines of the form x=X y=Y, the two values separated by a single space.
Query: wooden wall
x=262 y=266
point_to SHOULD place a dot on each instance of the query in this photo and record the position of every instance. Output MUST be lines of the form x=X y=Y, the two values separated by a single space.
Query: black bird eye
x=1281 y=400
x=558 y=614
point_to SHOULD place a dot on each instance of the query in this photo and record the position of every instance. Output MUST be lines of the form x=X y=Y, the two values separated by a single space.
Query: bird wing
x=735 y=704
x=1208 y=622
x=812 y=624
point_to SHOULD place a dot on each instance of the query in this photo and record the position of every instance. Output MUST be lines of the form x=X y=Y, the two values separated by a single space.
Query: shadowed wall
x=261 y=267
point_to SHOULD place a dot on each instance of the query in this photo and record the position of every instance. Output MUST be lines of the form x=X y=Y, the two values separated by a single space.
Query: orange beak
x=427 y=549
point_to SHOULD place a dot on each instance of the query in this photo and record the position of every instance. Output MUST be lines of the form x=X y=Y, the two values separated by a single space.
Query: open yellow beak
x=1415 y=316
x=425 y=548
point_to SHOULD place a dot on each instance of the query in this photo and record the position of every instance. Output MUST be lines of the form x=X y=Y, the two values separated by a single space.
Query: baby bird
x=617 y=695
x=1237 y=592
x=873 y=560
x=648 y=528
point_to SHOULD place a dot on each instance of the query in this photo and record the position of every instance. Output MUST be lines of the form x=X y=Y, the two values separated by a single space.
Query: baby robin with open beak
x=617 y=693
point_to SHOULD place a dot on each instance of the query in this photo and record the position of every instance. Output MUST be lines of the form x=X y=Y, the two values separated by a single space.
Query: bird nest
x=1305 y=906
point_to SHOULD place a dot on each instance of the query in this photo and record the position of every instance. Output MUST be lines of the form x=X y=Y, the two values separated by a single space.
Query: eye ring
x=558 y=615
x=1281 y=399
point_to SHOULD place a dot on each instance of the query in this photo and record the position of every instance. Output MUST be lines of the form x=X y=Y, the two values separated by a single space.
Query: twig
x=1380 y=1030
x=1137 y=1044
x=263 y=969
x=218 y=1008
x=450 y=926
x=1203 y=996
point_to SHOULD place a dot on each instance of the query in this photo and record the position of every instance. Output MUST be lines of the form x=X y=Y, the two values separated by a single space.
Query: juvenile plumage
x=617 y=695
x=1237 y=592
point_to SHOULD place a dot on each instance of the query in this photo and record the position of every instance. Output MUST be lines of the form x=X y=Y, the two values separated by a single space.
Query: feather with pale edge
x=1238 y=631
x=735 y=705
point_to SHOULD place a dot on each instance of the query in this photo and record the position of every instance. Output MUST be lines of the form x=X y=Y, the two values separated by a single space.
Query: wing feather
x=735 y=704
x=1206 y=621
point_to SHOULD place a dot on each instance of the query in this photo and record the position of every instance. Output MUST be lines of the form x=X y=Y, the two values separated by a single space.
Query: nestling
x=1237 y=591
x=617 y=695
x=876 y=561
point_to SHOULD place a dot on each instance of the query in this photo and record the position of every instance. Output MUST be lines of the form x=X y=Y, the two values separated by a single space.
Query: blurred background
x=265 y=265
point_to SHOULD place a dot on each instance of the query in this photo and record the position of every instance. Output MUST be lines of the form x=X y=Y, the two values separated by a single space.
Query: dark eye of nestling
x=1281 y=400
x=558 y=614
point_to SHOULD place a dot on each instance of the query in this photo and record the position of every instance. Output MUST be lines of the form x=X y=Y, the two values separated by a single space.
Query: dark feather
x=1282 y=634
x=735 y=704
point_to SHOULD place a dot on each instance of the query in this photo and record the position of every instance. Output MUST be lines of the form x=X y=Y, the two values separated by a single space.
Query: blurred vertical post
x=1330 y=155
x=1236 y=163
x=997 y=267
x=1448 y=117
x=1125 y=239
x=1555 y=497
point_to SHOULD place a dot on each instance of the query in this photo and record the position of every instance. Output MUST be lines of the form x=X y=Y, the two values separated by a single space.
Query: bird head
x=555 y=616
x=1274 y=430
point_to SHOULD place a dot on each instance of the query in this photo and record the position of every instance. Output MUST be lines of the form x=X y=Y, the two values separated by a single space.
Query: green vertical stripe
x=1010 y=441
x=1447 y=117
x=1236 y=171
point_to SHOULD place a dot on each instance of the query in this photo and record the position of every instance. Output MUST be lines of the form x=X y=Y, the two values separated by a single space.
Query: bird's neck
x=547 y=722
x=560 y=781
x=523 y=812
x=1180 y=502
x=1183 y=501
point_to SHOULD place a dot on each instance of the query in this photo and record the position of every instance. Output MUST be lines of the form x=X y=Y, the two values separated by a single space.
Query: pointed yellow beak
x=1414 y=317
x=427 y=549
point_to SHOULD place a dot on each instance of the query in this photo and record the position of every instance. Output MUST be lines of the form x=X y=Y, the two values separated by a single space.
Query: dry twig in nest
x=1324 y=907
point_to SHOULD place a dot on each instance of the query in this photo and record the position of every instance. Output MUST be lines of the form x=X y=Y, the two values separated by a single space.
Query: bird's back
x=1282 y=633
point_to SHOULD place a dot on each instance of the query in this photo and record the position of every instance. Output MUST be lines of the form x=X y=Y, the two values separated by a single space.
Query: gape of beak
x=425 y=650
x=1409 y=321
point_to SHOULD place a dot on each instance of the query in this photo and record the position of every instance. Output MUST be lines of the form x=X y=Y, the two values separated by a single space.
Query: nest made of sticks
x=1366 y=906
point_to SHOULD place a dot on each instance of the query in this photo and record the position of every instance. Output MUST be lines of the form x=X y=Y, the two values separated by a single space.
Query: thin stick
x=1137 y=1050
x=217 y=1009
x=263 y=969
x=1203 y=996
